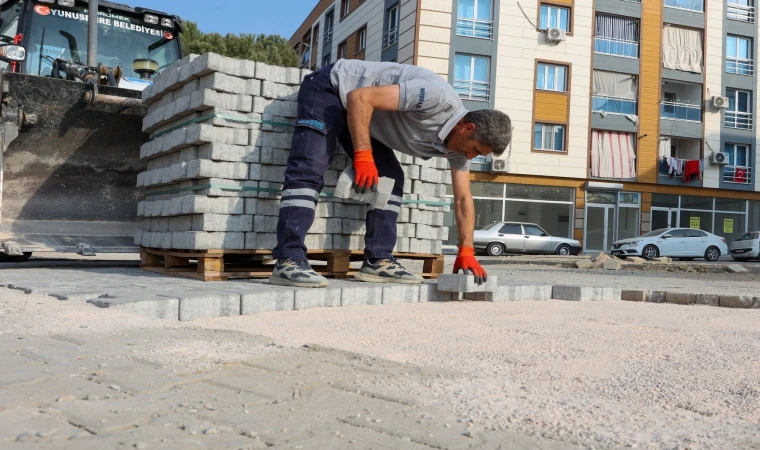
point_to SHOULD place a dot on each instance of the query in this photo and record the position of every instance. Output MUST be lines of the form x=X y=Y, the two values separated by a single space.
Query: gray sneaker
x=296 y=272
x=386 y=270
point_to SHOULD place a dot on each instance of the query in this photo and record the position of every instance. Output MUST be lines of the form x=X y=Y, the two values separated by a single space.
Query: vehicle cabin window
x=744 y=237
x=511 y=228
x=532 y=230
x=676 y=233
x=695 y=234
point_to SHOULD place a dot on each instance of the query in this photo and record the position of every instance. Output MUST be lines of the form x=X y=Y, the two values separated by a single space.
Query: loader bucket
x=68 y=180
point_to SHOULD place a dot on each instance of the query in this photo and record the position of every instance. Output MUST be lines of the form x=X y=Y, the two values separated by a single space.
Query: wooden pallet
x=219 y=265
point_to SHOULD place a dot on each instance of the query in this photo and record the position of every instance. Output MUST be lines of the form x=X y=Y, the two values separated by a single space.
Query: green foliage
x=272 y=49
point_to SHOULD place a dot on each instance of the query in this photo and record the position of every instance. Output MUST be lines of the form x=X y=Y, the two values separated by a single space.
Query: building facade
x=628 y=115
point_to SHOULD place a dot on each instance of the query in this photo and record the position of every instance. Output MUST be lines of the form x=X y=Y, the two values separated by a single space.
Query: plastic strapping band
x=221 y=116
x=272 y=191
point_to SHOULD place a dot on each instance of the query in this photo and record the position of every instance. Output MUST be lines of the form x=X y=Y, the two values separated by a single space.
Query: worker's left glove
x=467 y=263
x=366 y=171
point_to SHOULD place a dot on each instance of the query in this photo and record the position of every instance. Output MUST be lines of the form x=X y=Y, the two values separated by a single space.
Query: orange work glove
x=467 y=263
x=366 y=171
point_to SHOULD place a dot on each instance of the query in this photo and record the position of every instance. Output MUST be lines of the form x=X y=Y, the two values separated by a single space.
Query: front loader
x=71 y=121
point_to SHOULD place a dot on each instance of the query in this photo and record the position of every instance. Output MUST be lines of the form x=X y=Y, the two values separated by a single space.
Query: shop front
x=609 y=216
x=725 y=217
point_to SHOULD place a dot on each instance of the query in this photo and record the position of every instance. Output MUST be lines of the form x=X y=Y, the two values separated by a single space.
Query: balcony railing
x=740 y=12
x=614 y=105
x=741 y=66
x=328 y=35
x=473 y=90
x=482 y=29
x=617 y=47
x=681 y=111
x=390 y=37
x=738 y=119
x=737 y=175
x=692 y=5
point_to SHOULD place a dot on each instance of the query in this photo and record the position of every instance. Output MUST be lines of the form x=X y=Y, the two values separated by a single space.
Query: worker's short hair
x=492 y=128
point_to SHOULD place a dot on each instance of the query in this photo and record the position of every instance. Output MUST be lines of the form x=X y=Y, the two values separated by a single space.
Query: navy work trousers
x=320 y=126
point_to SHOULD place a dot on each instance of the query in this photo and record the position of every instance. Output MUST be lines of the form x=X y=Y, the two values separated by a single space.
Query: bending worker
x=371 y=108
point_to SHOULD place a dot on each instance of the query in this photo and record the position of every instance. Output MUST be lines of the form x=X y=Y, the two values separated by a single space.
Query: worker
x=371 y=108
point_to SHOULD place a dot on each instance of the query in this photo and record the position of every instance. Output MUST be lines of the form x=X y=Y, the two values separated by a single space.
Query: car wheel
x=563 y=250
x=650 y=252
x=712 y=254
x=495 y=249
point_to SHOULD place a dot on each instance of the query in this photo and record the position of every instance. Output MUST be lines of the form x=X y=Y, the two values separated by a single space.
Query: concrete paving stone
x=318 y=298
x=267 y=298
x=194 y=204
x=584 y=264
x=378 y=199
x=736 y=268
x=465 y=283
x=680 y=298
x=146 y=305
x=199 y=305
x=24 y=374
x=357 y=293
x=341 y=436
x=401 y=293
x=736 y=301
x=585 y=293
x=113 y=415
x=429 y=293
x=656 y=296
x=707 y=299
x=634 y=295
x=270 y=89
x=54 y=390
x=206 y=99
x=223 y=83
x=222 y=222
x=513 y=292
x=612 y=264
x=151 y=382
x=76 y=295
x=275 y=174
x=212 y=62
x=203 y=168
x=40 y=427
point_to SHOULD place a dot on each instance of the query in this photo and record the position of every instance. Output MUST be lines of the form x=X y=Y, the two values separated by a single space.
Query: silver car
x=518 y=237
x=746 y=246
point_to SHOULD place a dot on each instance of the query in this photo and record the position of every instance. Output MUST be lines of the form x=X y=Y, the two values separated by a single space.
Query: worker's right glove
x=467 y=263
x=366 y=171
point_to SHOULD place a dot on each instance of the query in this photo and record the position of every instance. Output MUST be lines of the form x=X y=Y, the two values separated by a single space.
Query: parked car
x=682 y=243
x=746 y=246
x=518 y=237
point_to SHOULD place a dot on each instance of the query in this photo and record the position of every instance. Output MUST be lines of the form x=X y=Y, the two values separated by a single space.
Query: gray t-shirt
x=428 y=107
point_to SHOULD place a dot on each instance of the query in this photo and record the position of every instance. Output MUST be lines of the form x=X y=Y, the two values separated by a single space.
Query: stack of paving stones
x=221 y=130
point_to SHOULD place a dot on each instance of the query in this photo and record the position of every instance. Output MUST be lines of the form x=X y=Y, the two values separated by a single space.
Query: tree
x=272 y=49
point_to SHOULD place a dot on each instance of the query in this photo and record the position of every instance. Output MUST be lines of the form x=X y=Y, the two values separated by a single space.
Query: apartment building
x=628 y=115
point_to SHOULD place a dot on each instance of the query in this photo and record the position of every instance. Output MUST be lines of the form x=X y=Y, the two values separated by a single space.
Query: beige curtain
x=612 y=155
x=611 y=84
x=682 y=49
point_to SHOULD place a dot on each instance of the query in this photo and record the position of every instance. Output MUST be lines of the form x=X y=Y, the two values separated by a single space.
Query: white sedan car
x=746 y=246
x=682 y=243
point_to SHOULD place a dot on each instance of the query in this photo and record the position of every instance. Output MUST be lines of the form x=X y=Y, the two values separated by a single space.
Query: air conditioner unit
x=500 y=165
x=720 y=158
x=555 y=35
x=719 y=102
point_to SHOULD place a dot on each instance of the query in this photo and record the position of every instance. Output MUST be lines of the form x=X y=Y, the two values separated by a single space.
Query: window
x=345 y=8
x=682 y=49
x=613 y=155
x=738 y=114
x=554 y=17
x=738 y=169
x=342 y=50
x=694 y=234
x=511 y=228
x=551 y=77
x=390 y=34
x=532 y=230
x=362 y=41
x=549 y=137
x=471 y=77
x=739 y=55
x=741 y=10
x=692 y=5
x=676 y=233
x=614 y=93
x=329 y=26
x=474 y=19
x=326 y=60
x=616 y=35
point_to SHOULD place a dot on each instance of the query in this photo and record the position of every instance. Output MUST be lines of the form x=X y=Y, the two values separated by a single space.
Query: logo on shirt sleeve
x=420 y=98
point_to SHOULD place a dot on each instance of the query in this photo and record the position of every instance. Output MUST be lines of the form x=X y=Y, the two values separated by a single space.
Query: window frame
x=543 y=133
x=738 y=38
x=734 y=150
x=736 y=99
x=555 y=66
x=342 y=53
x=569 y=8
x=330 y=14
x=472 y=72
x=329 y=59
x=519 y=226
x=361 y=40
x=345 y=8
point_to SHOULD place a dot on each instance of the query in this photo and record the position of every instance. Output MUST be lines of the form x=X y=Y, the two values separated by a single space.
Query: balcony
x=616 y=47
x=738 y=119
x=737 y=175
x=741 y=13
x=473 y=90
x=390 y=38
x=690 y=5
x=674 y=152
x=680 y=111
x=328 y=35
x=482 y=29
x=614 y=105
x=740 y=66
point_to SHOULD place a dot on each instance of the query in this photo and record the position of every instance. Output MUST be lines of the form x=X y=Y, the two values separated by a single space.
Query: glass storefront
x=725 y=217
x=610 y=216
x=549 y=207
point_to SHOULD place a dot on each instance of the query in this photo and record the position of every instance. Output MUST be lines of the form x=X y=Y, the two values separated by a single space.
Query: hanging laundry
x=740 y=175
x=691 y=170
x=676 y=167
